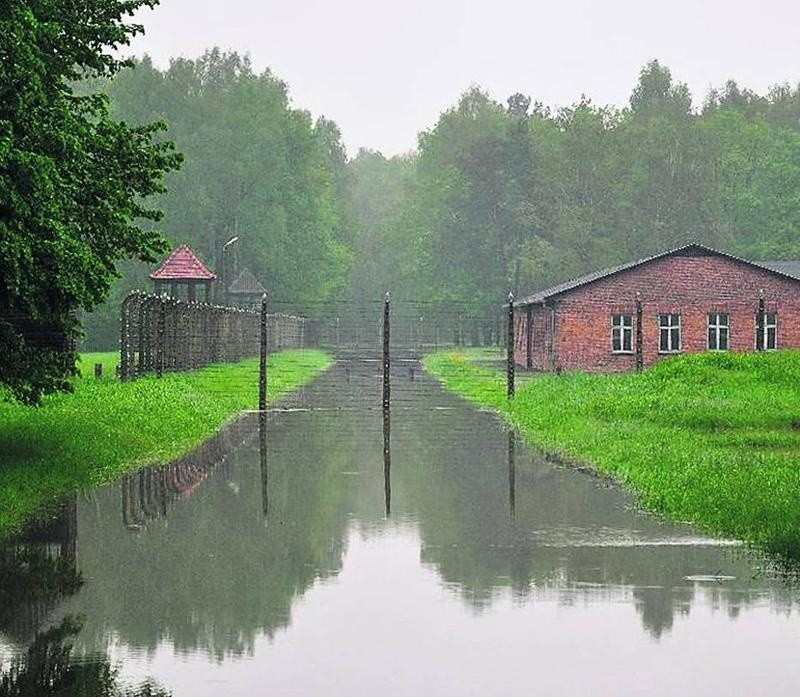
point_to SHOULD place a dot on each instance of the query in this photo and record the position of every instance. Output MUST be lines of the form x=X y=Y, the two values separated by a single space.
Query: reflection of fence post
x=262 y=365
x=510 y=348
x=160 y=335
x=262 y=455
x=386 y=358
x=512 y=472
x=387 y=462
x=639 y=357
x=760 y=322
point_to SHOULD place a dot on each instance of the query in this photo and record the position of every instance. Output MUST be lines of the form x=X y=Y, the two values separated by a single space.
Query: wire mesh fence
x=161 y=334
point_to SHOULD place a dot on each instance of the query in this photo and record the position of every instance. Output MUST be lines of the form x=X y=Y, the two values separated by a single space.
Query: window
x=669 y=334
x=621 y=333
x=718 y=331
x=769 y=337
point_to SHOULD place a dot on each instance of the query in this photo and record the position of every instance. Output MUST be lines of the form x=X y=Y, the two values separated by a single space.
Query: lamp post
x=225 y=275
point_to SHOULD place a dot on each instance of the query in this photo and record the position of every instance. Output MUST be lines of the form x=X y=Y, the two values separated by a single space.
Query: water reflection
x=512 y=471
x=387 y=461
x=262 y=461
x=211 y=559
x=48 y=667
x=147 y=494
x=38 y=570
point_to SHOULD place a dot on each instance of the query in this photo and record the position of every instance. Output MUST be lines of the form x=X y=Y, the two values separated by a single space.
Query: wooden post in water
x=639 y=357
x=760 y=322
x=387 y=463
x=386 y=357
x=510 y=347
x=262 y=366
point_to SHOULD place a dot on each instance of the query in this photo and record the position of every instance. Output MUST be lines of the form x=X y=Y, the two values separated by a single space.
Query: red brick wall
x=689 y=286
x=540 y=338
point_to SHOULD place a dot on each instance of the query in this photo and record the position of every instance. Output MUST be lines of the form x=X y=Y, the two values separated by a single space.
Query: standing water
x=297 y=560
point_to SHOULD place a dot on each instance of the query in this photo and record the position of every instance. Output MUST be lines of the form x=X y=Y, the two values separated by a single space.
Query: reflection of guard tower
x=245 y=291
x=182 y=267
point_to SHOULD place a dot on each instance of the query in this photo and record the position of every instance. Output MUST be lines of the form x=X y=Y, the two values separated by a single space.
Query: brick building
x=684 y=300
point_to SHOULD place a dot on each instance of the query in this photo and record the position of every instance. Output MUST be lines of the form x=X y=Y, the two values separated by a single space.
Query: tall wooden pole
x=510 y=347
x=387 y=462
x=262 y=365
x=386 y=357
x=760 y=323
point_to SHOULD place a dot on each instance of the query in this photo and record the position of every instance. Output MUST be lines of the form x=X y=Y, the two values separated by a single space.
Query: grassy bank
x=105 y=428
x=710 y=438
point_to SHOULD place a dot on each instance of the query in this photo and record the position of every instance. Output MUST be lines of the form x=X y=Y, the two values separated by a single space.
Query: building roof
x=786 y=269
x=246 y=283
x=182 y=265
x=790 y=268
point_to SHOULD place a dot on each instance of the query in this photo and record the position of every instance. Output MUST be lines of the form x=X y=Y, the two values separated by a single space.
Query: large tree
x=73 y=181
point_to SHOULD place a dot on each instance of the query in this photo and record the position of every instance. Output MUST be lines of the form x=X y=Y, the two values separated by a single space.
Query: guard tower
x=245 y=291
x=183 y=268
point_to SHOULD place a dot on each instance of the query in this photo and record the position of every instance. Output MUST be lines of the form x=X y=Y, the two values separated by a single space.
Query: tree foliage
x=517 y=197
x=74 y=182
x=255 y=168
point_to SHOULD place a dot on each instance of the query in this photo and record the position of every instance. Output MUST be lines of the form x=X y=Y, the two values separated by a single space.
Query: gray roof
x=788 y=269
x=246 y=283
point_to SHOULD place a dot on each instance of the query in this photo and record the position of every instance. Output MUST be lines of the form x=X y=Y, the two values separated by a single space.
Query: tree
x=74 y=182
x=254 y=168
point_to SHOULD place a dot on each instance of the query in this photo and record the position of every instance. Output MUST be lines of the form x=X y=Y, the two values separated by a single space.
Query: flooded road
x=242 y=570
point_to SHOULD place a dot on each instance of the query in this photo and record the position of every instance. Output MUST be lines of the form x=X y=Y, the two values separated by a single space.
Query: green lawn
x=105 y=428
x=109 y=359
x=710 y=438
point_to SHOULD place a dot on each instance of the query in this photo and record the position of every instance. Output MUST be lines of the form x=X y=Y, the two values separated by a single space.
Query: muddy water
x=266 y=563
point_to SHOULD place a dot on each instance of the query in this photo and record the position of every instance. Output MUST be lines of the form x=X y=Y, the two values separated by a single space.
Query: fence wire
x=161 y=334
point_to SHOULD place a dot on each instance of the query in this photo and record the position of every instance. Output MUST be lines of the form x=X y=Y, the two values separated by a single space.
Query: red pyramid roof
x=182 y=265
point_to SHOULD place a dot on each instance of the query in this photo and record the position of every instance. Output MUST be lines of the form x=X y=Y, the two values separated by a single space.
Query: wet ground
x=290 y=557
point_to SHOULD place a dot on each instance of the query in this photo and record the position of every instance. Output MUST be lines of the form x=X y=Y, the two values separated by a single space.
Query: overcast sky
x=385 y=70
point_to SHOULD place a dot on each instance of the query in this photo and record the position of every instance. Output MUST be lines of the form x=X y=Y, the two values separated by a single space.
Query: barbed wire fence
x=161 y=334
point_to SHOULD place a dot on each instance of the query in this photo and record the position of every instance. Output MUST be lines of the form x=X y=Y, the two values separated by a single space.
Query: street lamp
x=225 y=275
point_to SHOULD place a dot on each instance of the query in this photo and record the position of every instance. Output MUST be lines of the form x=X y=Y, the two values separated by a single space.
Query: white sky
x=385 y=70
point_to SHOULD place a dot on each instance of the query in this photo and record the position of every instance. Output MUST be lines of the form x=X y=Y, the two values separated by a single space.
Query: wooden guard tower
x=184 y=268
x=245 y=291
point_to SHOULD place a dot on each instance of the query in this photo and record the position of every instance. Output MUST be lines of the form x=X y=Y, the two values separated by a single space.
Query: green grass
x=709 y=438
x=106 y=428
x=109 y=359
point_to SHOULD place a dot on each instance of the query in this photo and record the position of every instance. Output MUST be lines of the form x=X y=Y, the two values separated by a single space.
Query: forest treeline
x=496 y=197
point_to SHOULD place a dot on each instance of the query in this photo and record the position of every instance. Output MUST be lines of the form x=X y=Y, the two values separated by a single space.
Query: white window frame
x=623 y=329
x=717 y=326
x=669 y=327
x=765 y=329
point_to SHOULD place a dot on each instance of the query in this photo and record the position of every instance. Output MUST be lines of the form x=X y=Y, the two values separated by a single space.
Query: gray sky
x=385 y=70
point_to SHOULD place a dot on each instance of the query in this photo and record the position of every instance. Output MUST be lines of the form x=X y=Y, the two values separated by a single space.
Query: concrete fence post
x=262 y=369
x=161 y=335
x=386 y=357
x=510 y=368
x=639 y=356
